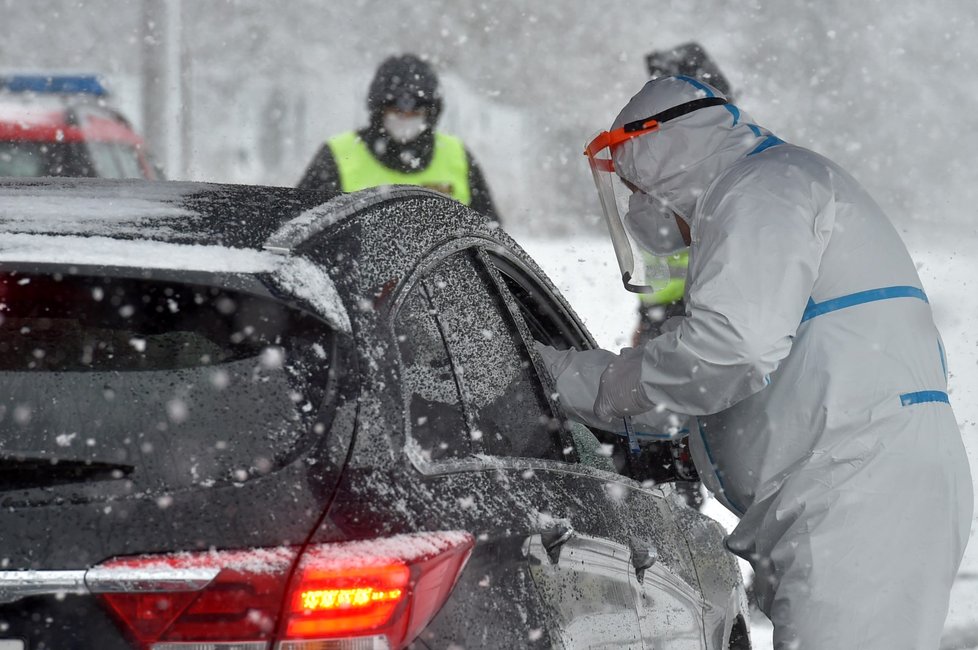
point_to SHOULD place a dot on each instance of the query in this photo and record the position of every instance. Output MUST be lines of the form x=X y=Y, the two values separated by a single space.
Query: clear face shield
x=643 y=232
x=641 y=272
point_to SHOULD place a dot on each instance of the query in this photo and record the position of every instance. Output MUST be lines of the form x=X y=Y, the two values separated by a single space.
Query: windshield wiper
x=25 y=470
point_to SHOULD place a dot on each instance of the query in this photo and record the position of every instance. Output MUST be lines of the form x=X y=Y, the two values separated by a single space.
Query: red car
x=62 y=126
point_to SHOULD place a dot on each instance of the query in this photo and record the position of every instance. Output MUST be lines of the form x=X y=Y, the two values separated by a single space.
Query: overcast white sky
x=883 y=86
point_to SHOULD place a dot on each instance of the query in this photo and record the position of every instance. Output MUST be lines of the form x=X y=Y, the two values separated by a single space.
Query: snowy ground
x=585 y=271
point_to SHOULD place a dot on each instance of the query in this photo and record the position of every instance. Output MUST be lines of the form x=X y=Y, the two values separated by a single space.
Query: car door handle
x=644 y=556
x=554 y=538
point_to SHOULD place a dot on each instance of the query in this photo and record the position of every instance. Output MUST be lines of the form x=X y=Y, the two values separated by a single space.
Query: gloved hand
x=578 y=377
x=619 y=390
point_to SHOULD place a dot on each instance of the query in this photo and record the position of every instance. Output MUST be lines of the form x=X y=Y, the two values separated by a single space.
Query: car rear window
x=24 y=159
x=165 y=385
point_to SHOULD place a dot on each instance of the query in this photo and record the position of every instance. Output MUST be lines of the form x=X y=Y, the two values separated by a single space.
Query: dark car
x=64 y=125
x=253 y=417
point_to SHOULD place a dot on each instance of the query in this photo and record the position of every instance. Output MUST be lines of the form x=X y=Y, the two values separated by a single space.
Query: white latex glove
x=619 y=391
x=577 y=377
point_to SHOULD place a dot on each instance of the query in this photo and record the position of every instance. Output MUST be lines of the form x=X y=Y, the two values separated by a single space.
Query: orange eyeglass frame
x=634 y=129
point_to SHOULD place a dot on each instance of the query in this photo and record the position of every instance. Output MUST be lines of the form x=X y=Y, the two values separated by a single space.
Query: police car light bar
x=68 y=84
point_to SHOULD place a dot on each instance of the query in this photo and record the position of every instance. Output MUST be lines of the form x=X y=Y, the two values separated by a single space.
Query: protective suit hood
x=678 y=162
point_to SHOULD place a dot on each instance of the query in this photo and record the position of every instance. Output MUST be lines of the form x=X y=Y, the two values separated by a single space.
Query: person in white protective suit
x=807 y=361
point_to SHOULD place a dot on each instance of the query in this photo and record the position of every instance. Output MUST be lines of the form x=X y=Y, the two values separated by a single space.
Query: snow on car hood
x=296 y=275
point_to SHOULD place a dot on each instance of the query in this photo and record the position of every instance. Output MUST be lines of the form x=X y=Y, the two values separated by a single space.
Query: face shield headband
x=638 y=275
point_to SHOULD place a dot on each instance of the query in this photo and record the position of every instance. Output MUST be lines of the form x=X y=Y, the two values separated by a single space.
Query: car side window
x=436 y=417
x=546 y=322
x=128 y=160
x=541 y=314
x=104 y=160
x=508 y=410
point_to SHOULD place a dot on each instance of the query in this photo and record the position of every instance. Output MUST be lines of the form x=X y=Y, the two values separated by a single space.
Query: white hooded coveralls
x=816 y=377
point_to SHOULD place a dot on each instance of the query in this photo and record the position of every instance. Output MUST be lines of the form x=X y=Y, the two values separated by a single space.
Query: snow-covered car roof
x=174 y=226
x=235 y=216
x=242 y=229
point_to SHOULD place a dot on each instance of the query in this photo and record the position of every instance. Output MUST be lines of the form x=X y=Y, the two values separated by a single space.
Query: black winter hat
x=688 y=59
x=406 y=83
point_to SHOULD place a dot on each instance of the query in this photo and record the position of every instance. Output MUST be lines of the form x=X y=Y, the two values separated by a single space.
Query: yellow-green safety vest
x=675 y=286
x=447 y=173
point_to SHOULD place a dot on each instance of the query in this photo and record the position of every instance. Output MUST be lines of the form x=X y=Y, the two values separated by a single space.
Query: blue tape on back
x=842 y=302
x=923 y=397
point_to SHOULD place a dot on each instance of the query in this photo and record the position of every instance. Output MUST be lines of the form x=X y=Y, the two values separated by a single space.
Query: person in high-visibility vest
x=400 y=145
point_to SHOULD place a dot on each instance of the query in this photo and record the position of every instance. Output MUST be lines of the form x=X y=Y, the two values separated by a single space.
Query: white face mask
x=405 y=128
x=653 y=225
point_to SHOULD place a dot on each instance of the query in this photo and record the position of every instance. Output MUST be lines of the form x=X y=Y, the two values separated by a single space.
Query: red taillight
x=394 y=591
x=388 y=589
x=329 y=603
x=208 y=596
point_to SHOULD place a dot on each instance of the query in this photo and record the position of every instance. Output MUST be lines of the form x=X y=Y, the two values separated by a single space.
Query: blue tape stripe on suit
x=842 y=302
x=923 y=397
x=733 y=111
x=940 y=348
x=769 y=141
x=695 y=83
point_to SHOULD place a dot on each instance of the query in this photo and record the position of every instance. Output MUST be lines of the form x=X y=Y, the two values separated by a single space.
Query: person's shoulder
x=787 y=176
x=778 y=166
x=447 y=142
x=343 y=137
x=777 y=156
x=345 y=145
x=443 y=138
